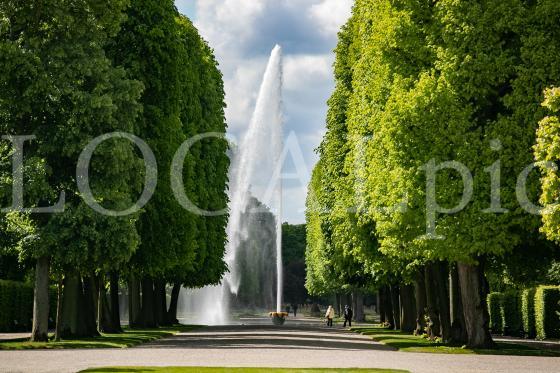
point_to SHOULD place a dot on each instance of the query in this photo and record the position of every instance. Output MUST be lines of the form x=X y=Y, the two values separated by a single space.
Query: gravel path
x=291 y=346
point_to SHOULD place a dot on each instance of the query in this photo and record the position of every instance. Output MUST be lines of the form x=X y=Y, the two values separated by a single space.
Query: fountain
x=255 y=223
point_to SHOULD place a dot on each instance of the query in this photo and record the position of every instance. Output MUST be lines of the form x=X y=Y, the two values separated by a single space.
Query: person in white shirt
x=330 y=316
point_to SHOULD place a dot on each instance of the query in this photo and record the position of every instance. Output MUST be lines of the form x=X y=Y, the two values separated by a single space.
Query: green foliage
x=241 y=370
x=148 y=45
x=547 y=305
x=206 y=166
x=60 y=86
x=494 y=302
x=128 y=338
x=293 y=259
x=184 y=96
x=547 y=150
x=342 y=250
x=419 y=344
x=554 y=272
x=511 y=314
x=320 y=276
x=528 y=264
x=528 y=312
x=422 y=105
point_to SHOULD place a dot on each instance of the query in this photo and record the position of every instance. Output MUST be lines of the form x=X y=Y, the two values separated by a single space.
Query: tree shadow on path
x=267 y=337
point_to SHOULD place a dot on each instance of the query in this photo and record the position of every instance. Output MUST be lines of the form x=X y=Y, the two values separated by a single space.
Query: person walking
x=295 y=307
x=348 y=314
x=330 y=316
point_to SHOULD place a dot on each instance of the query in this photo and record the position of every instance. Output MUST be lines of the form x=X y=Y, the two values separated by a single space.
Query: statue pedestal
x=278 y=318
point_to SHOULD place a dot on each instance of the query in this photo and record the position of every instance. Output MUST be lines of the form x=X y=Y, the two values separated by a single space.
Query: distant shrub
x=494 y=309
x=510 y=311
x=528 y=312
x=547 y=322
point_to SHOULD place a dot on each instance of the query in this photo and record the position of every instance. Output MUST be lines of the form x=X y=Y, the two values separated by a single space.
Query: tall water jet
x=255 y=193
x=258 y=155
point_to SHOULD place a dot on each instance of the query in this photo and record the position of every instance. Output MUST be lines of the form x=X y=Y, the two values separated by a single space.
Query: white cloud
x=301 y=71
x=227 y=23
x=330 y=15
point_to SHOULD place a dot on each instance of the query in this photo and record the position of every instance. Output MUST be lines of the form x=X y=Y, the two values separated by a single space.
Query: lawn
x=411 y=343
x=234 y=370
x=130 y=337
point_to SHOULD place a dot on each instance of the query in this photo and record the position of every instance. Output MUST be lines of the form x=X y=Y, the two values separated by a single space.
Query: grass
x=233 y=370
x=411 y=343
x=130 y=337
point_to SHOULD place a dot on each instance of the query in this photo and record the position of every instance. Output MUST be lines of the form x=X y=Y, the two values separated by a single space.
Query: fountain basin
x=278 y=318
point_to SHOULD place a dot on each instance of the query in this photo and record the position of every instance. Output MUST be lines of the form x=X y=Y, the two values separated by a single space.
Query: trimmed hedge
x=528 y=312
x=16 y=306
x=494 y=301
x=547 y=321
x=510 y=311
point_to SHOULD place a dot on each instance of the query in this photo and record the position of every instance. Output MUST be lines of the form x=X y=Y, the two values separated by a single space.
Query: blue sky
x=242 y=33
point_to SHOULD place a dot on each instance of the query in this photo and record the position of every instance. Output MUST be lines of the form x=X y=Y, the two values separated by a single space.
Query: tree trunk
x=378 y=304
x=58 y=326
x=389 y=308
x=458 y=330
x=395 y=302
x=40 y=329
x=76 y=315
x=148 y=312
x=160 y=299
x=472 y=287
x=100 y=301
x=133 y=302
x=349 y=301
x=70 y=302
x=105 y=322
x=358 y=300
x=433 y=327
x=381 y=304
x=115 y=307
x=408 y=309
x=441 y=276
x=172 y=312
x=89 y=305
x=420 y=295
x=338 y=305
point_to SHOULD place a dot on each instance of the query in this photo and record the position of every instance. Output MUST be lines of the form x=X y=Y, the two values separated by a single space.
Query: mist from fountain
x=255 y=174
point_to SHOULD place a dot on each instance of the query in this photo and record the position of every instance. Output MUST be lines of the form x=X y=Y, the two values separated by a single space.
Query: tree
x=149 y=46
x=206 y=166
x=405 y=106
x=59 y=86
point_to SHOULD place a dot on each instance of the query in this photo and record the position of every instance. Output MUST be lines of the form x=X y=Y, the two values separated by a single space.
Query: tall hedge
x=528 y=312
x=494 y=309
x=510 y=311
x=547 y=321
x=16 y=306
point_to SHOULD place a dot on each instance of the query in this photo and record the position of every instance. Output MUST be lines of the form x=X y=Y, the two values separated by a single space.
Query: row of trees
x=76 y=70
x=427 y=92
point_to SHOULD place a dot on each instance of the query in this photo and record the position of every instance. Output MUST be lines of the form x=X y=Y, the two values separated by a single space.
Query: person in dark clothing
x=295 y=307
x=348 y=314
